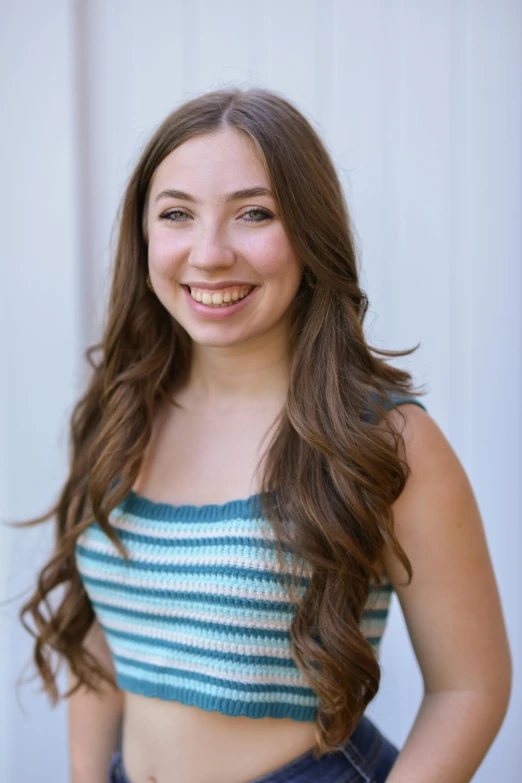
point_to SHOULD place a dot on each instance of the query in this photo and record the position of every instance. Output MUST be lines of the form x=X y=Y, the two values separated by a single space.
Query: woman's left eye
x=172 y=214
x=264 y=215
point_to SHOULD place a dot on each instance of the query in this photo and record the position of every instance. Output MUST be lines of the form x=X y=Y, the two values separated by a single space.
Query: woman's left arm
x=452 y=611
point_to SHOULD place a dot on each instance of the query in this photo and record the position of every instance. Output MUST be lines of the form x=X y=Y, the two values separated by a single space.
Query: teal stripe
x=180 y=622
x=227 y=541
x=227 y=657
x=394 y=400
x=374 y=640
x=196 y=658
x=221 y=612
x=211 y=585
x=254 y=574
x=249 y=508
x=375 y=614
x=208 y=680
x=399 y=399
x=205 y=598
x=201 y=635
x=173 y=621
x=208 y=701
x=202 y=638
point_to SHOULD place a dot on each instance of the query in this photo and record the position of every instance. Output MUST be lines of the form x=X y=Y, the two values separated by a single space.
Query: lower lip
x=218 y=313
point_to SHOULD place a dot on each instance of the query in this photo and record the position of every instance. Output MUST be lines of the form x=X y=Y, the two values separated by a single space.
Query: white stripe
x=223 y=691
x=268 y=678
x=258 y=528
x=177 y=556
x=278 y=650
x=194 y=614
x=383 y=602
x=203 y=531
x=180 y=585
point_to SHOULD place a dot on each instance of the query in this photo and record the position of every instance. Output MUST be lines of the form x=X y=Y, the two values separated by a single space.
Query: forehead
x=223 y=160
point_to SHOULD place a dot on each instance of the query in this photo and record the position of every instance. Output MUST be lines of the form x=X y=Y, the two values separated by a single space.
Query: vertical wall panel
x=416 y=307
x=223 y=43
x=163 y=53
x=285 y=47
x=460 y=368
x=494 y=288
x=41 y=348
x=421 y=278
x=361 y=46
x=108 y=135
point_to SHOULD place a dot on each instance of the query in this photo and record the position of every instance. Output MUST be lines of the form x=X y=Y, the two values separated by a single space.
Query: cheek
x=275 y=258
x=162 y=254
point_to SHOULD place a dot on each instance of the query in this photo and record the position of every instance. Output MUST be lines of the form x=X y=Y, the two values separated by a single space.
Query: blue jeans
x=366 y=757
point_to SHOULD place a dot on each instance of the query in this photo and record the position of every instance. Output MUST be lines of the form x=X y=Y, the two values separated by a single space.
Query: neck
x=240 y=377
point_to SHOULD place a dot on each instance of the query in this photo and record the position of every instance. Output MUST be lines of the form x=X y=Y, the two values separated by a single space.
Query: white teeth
x=218 y=299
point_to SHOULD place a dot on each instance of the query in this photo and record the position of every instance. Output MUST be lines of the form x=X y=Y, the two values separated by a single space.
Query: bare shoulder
x=451 y=607
x=438 y=499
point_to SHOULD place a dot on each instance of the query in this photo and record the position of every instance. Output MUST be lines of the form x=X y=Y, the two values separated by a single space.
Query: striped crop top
x=195 y=615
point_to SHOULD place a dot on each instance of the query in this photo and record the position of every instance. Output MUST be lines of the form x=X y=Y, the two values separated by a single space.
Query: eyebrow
x=236 y=195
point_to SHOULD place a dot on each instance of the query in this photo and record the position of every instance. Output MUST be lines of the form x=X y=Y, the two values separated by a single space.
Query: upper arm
x=451 y=607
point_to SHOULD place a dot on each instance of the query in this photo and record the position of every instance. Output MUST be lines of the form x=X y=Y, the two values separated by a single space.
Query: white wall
x=420 y=104
x=41 y=340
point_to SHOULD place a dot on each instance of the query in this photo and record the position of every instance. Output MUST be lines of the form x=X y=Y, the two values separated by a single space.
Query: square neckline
x=141 y=506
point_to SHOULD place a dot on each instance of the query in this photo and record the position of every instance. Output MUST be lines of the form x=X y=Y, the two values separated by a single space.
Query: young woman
x=225 y=592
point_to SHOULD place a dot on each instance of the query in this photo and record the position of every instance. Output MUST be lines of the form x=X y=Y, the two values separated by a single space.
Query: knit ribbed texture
x=196 y=616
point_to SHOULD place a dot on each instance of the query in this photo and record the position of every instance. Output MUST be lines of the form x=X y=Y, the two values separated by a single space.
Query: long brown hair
x=334 y=459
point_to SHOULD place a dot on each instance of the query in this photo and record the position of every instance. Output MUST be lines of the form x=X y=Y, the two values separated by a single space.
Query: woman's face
x=204 y=238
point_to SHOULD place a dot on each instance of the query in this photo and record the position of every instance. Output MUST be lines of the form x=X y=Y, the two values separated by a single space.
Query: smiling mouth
x=225 y=297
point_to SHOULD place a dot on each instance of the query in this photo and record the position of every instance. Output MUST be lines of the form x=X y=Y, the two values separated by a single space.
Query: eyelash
x=266 y=215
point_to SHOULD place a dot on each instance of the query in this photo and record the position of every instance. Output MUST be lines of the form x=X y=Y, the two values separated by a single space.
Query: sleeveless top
x=196 y=615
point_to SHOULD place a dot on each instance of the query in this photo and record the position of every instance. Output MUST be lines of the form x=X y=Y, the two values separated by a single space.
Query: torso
x=195 y=458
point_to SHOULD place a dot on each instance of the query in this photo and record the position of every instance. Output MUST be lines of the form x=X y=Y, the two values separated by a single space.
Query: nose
x=211 y=251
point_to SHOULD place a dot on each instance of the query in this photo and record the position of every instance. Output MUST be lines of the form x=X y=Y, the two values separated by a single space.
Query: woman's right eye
x=169 y=215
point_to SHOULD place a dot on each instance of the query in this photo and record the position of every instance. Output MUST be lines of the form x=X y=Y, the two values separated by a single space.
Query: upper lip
x=216 y=286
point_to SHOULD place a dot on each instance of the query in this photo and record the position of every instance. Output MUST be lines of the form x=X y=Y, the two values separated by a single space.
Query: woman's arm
x=94 y=720
x=452 y=610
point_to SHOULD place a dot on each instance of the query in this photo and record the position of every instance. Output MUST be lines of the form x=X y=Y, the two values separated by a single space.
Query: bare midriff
x=169 y=742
